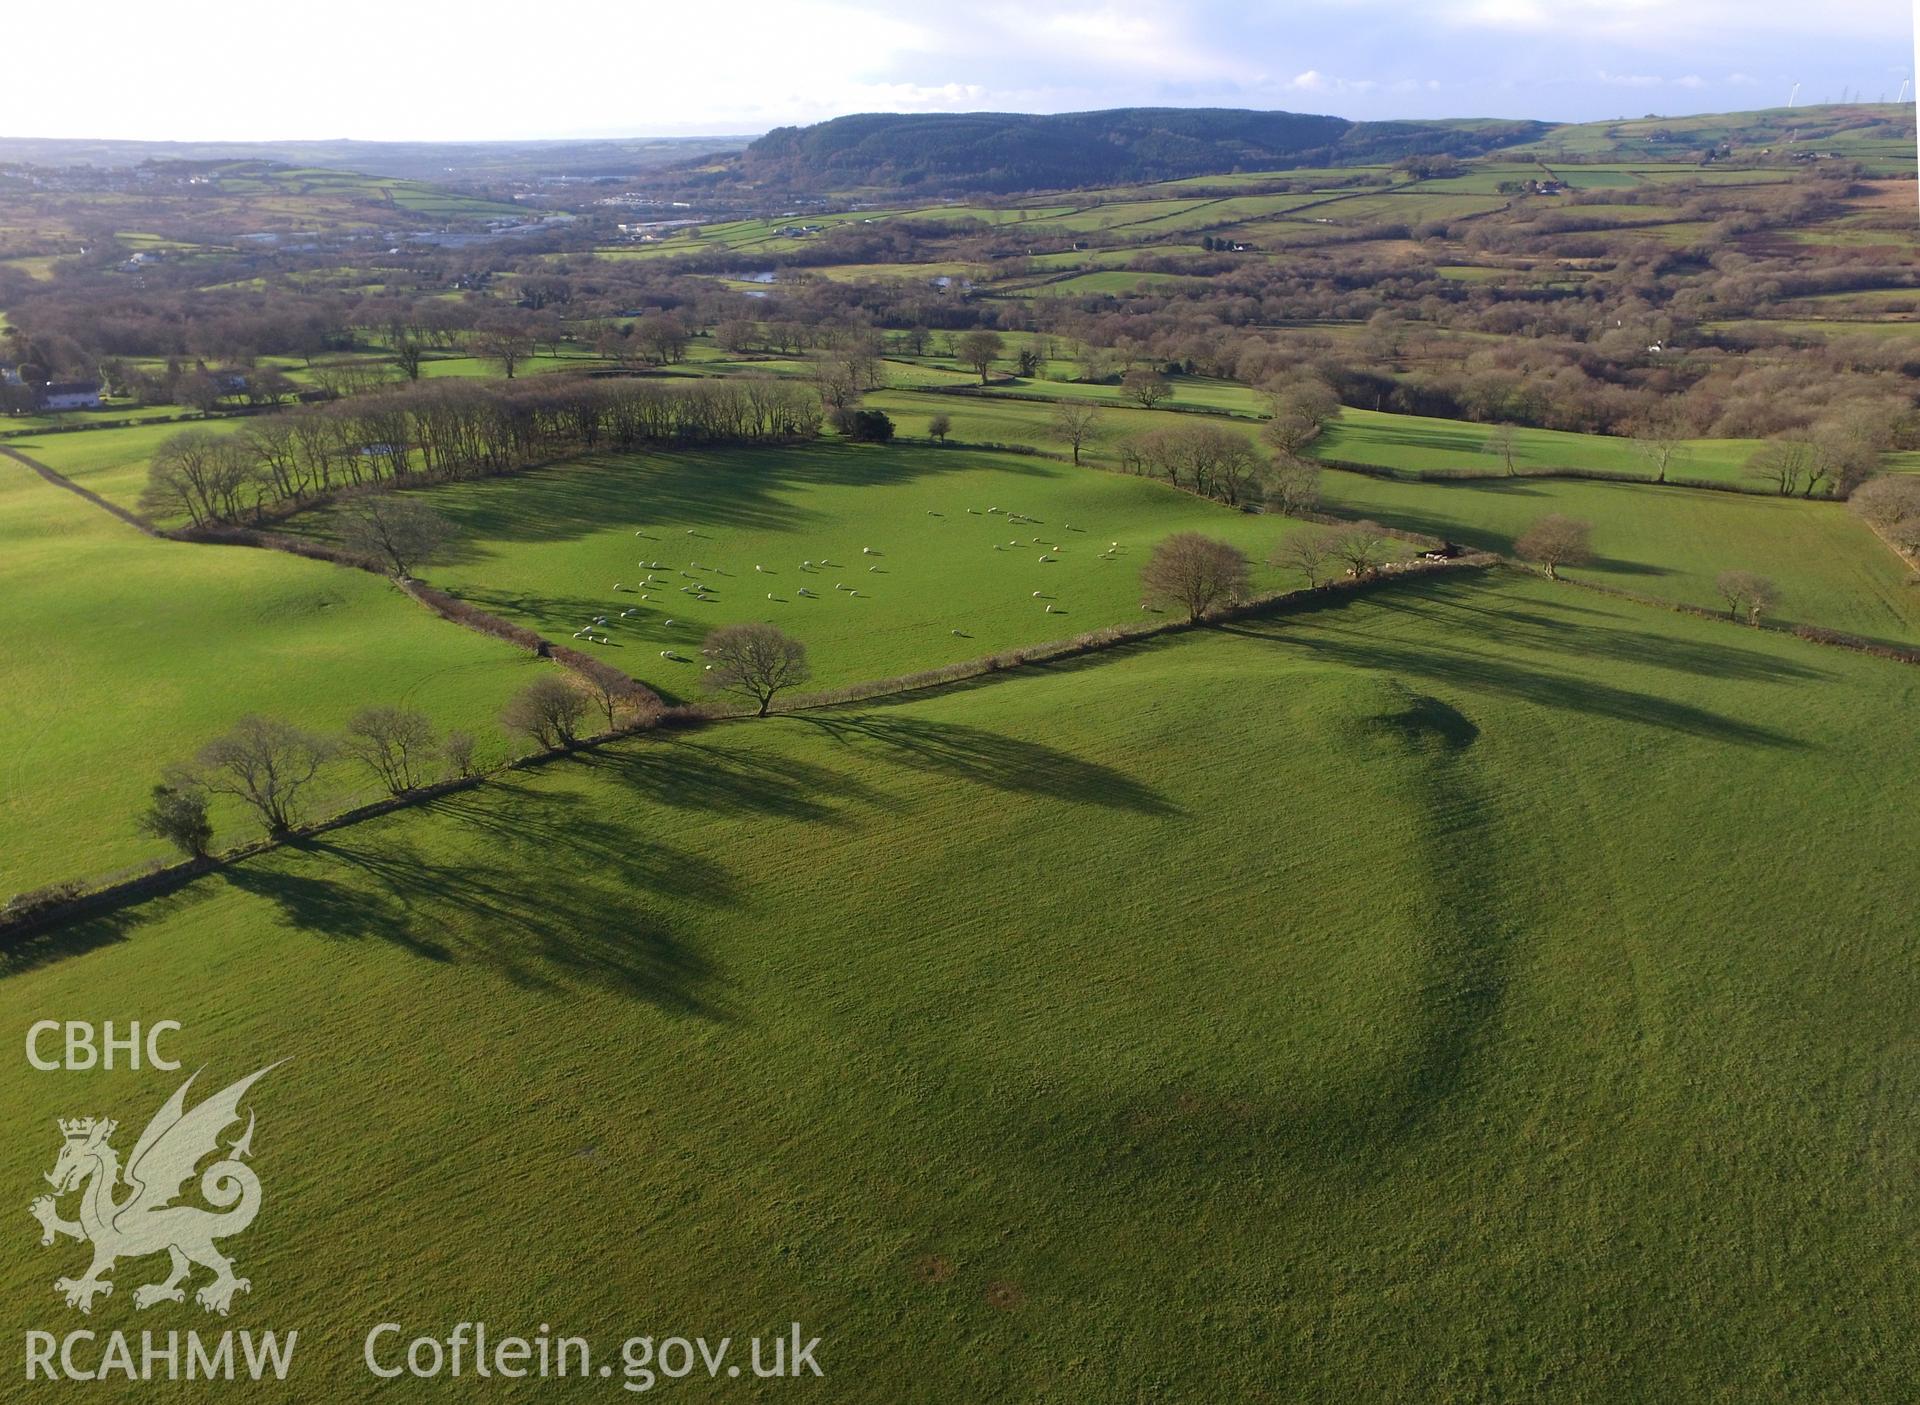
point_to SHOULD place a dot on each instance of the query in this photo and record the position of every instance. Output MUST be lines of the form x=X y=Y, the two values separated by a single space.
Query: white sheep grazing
x=760 y=568
x=873 y=568
x=666 y=653
x=1045 y=559
x=866 y=551
x=617 y=587
x=1113 y=546
x=626 y=614
x=806 y=565
x=973 y=512
x=691 y=532
x=962 y=635
x=1049 y=609
x=672 y=623
x=1036 y=595
x=993 y=509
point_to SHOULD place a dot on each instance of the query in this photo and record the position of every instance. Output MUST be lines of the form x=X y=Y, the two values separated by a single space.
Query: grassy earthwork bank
x=1446 y=979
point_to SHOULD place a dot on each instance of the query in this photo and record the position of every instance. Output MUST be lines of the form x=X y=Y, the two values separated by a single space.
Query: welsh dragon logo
x=145 y=1220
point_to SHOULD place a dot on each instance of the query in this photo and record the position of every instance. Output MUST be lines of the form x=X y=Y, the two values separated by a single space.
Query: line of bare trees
x=437 y=431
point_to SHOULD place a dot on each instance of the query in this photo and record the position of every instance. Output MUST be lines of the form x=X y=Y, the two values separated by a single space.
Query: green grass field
x=125 y=654
x=110 y=462
x=547 y=548
x=1671 y=543
x=1439 y=996
x=1419 y=444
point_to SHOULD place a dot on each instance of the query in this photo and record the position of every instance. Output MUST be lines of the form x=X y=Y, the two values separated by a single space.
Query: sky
x=488 y=70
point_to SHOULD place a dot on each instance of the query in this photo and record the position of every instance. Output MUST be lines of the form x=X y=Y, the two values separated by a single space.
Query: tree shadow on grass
x=712 y=779
x=990 y=759
x=666 y=491
x=552 y=897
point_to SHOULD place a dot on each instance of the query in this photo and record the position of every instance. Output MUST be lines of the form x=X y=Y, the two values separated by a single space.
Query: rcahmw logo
x=134 y=1212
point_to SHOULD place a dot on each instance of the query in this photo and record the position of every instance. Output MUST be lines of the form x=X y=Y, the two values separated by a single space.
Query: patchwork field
x=125 y=654
x=944 y=583
x=1453 y=1078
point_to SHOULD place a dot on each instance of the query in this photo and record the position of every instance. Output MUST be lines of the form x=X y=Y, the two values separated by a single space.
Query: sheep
x=617 y=587
x=692 y=533
x=961 y=633
x=1045 y=559
x=666 y=653
x=1037 y=594
x=627 y=614
x=761 y=569
x=867 y=551
x=973 y=512
x=873 y=568
x=806 y=565
x=672 y=623
x=993 y=509
x=1049 y=609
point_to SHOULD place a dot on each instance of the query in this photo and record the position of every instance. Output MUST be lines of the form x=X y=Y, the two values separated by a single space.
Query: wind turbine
x=1792 y=95
x=1905 y=83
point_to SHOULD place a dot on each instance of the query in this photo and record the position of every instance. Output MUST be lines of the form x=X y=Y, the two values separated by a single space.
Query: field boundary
x=51 y=906
x=60 y=480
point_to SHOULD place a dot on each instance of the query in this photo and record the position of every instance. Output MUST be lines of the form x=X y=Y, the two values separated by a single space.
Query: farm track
x=60 y=480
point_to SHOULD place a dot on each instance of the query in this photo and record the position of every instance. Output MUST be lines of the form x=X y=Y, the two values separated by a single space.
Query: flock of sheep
x=691 y=585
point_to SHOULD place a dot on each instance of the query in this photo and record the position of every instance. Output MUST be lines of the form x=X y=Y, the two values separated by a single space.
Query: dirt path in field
x=60 y=480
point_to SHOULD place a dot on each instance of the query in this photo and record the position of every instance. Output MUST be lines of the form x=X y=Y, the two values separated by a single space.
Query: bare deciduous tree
x=1782 y=463
x=456 y=754
x=980 y=350
x=1076 y=423
x=755 y=661
x=1891 y=503
x=505 y=341
x=1298 y=413
x=939 y=427
x=1659 y=437
x=1195 y=572
x=1746 y=593
x=1554 y=541
x=1306 y=552
x=1502 y=443
x=1362 y=546
x=266 y=763
x=611 y=690
x=546 y=712
x=1293 y=486
x=399 y=531
x=393 y=743
x=1145 y=388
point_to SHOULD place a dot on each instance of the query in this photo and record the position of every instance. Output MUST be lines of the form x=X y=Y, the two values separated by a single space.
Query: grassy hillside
x=1438 y=996
x=1671 y=543
x=125 y=654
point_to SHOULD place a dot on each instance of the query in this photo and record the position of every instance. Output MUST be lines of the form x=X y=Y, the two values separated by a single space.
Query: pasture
x=1434 y=996
x=951 y=575
x=125 y=654
x=1670 y=543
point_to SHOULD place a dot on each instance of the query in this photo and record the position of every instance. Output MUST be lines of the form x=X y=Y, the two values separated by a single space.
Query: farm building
x=68 y=395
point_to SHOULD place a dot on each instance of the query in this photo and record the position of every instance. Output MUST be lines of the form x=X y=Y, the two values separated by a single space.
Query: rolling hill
x=1009 y=151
